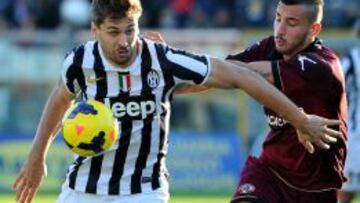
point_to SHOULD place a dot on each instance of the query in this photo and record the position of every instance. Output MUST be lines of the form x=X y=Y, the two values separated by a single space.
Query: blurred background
x=212 y=133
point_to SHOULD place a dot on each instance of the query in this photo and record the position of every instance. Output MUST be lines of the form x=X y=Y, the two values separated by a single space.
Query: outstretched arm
x=314 y=128
x=311 y=128
x=34 y=170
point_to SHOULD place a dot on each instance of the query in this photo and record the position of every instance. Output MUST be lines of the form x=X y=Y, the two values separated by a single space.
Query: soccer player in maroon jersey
x=308 y=73
x=298 y=64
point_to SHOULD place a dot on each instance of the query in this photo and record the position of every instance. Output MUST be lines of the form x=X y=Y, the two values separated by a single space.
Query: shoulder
x=80 y=49
x=258 y=50
x=263 y=43
x=323 y=59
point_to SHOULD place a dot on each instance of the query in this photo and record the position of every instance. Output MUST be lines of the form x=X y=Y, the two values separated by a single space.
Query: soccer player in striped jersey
x=136 y=79
x=351 y=67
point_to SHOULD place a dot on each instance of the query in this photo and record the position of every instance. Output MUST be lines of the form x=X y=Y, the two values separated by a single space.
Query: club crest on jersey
x=246 y=188
x=153 y=79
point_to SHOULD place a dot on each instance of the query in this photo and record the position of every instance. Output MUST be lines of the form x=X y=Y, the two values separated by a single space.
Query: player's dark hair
x=316 y=13
x=101 y=9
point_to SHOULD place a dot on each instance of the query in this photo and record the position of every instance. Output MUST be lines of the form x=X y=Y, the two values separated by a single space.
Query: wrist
x=301 y=120
x=37 y=157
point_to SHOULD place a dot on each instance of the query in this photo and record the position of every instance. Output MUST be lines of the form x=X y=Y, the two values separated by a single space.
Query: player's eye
x=129 y=32
x=113 y=33
x=292 y=23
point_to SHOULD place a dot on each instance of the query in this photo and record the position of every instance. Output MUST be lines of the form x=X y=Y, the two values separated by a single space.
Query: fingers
x=308 y=146
x=332 y=122
x=23 y=196
x=155 y=36
x=26 y=193
x=328 y=139
x=323 y=145
x=24 y=189
x=32 y=194
x=18 y=182
x=332 y=133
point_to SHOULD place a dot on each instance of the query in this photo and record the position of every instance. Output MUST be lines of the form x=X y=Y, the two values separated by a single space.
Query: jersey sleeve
x=185 y=67
x=70 y=72
x=255 y=52
x=306 y=71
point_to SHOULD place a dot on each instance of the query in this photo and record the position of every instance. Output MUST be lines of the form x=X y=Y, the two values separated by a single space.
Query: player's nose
x=122 y=40
x=280 y=28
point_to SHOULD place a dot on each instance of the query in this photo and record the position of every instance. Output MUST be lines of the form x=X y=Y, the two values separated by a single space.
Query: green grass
x=49 y=198
x=176 y=198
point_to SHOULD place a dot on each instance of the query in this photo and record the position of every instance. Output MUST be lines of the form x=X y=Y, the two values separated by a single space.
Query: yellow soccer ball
x=89 y=128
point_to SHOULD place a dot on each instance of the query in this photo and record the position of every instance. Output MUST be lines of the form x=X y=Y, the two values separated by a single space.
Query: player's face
x=292 y=29
x=118 y=39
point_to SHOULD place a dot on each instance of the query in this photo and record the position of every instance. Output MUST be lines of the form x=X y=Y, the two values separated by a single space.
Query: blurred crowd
x=52 y=14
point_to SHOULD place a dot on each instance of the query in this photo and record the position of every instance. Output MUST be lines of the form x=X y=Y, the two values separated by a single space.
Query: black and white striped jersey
x=351 y=66
x=140 y=97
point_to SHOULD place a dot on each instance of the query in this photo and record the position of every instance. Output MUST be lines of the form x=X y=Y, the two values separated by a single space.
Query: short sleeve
x=68 y=74
x=186 y=67
x=256 y=52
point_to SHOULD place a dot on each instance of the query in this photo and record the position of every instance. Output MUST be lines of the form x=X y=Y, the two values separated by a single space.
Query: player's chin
x=122 y=60
x=281 y=49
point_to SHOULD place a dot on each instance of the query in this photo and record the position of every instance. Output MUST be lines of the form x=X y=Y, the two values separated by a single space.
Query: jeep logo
x=132 y=107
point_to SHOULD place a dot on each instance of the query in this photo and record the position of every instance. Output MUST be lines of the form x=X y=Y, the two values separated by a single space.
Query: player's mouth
x=280 y=41
x=122 y=52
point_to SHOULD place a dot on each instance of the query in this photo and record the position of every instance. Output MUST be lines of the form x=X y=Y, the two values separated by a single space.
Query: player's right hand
x=154 y=36
x=29 y=180
x=316 y=131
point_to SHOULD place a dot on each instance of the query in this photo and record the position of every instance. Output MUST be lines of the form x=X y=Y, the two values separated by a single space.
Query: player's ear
x=316 y=29
x=94 y=29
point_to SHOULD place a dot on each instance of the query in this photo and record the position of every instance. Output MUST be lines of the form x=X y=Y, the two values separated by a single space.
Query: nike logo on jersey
x=93 y=79
x=302 y=60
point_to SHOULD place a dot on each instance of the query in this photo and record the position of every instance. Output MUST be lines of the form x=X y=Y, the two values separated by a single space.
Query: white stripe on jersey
x=188 y=63
x=105 y=175
x=113 y=84
x=89 y=58
x=133 y=152
x=83 y=175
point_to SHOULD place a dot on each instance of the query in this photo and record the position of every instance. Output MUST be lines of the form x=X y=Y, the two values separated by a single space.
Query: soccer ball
x=89 y=128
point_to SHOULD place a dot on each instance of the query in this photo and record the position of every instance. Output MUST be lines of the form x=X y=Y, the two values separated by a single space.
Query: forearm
x=49 y=123
x=271 y=97
x=227 y=75
x=261 y=67
x=187 y=89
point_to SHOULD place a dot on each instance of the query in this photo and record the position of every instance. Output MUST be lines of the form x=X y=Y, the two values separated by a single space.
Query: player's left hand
x=316 y=131
x=28 y=182
x=154 y=36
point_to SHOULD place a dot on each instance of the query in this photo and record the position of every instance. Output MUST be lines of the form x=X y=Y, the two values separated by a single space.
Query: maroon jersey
x=314 y=81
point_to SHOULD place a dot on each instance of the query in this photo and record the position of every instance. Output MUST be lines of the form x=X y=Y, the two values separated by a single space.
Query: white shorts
x=68 y=195
x=352 y=164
